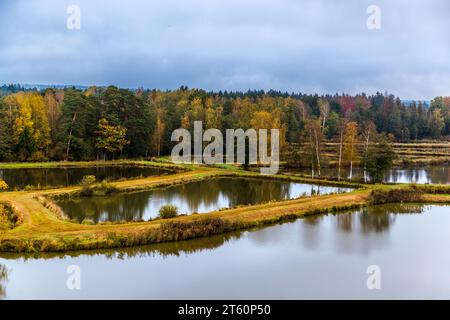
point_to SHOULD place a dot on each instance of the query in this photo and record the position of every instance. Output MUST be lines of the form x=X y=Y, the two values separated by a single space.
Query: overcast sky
x=321 y=46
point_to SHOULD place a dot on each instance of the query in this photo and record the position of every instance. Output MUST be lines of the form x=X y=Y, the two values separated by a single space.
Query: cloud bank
x=307 y=46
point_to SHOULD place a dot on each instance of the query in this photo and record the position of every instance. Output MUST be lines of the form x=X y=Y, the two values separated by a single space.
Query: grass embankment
x=42 y=228
x=81 y=164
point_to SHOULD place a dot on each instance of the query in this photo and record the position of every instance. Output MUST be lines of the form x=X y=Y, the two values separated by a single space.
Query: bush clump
x=3 y=185
x=88 y=180
x=88 y=221
x=396 y=195
x=168 y=211
x=177 y=230
x=8 y=218
x=100 y=189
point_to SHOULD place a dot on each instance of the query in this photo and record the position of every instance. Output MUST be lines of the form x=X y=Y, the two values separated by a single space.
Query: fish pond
x=195 y=197
x=431 y=174
x=319 y=257
x=67 y=176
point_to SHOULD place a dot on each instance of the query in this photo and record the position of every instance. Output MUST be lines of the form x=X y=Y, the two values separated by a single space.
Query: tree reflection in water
x=66 y=176
x=375 y=218
x=3 y=280
x=313 y=233
x=433 y=174
x=200 y=197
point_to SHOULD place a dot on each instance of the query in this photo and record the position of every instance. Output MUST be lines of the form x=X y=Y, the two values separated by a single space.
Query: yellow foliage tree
x=350 y=144
x=266 y=120
x=110 y=138
x=28 y=112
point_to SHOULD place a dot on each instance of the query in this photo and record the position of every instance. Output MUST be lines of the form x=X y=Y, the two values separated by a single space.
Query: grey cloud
x=308 y=46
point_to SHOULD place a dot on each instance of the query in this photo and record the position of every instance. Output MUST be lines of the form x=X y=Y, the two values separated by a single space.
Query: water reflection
x=365 y=221
x=433 y=174
x=3 y=280
x=200 y=197
x=66 y=176
x=354 y=231
x=324 y=256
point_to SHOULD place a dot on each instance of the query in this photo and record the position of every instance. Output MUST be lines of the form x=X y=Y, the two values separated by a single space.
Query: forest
x=111 y=123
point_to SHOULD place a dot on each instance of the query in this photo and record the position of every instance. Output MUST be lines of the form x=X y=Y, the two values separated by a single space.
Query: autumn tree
x=324 y=107
x=110 y=138
x=341 y=131
x=436 y=123
x=268 y=121
x=24 y=126
x=350 y=145
x=368 y=134
x=314 y=138
x=158 y=134
x=53 y=111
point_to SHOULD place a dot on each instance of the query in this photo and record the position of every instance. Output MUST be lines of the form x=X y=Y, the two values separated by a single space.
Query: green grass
x=74 y=164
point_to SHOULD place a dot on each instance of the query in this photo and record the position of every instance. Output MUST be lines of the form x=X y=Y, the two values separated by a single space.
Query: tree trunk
x=340 y=154
x=351 y=170
x=317 y=152
x=70 y=136
x=366 y=147
x=159 y=144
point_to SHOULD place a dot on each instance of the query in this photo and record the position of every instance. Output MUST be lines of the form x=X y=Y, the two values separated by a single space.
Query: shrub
x=88 y=221
x=37 y=156
x=3 y=185
x=88 y=180
x=104 y=188
x=168 y=211
x=396 y=195
x=177 y=230
x=100 y=189
x=8 y=218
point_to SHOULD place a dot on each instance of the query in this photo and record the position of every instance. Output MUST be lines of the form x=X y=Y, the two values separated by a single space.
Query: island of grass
x=40 y=227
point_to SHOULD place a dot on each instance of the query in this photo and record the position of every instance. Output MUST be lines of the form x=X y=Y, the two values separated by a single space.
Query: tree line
x=109 y=122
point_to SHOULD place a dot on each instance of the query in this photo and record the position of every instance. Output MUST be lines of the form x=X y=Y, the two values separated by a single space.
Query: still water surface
x=318 y=257
x=433 y=174
x=200 y=197
x=67 y=176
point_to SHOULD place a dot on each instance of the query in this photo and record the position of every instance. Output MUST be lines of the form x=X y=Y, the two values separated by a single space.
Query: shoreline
x=43 y=230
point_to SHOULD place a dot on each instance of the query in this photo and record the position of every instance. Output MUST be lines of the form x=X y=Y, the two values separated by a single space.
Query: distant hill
x=408 y=103
x=6 y=89
x=56 y=86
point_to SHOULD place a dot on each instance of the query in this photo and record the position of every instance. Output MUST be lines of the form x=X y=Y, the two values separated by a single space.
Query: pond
x=322 y=257
x=421 y=175
x=432 y=174
x=67 y=176
x=201 y=197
